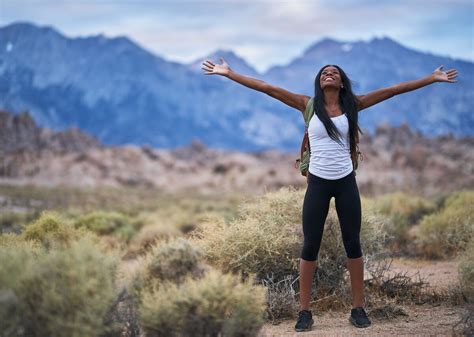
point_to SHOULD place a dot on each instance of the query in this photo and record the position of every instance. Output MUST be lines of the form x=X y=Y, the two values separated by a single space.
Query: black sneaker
x=305 y=321
x=359 y=318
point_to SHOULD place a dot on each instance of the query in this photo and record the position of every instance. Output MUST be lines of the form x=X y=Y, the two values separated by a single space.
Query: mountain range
x=121 y=93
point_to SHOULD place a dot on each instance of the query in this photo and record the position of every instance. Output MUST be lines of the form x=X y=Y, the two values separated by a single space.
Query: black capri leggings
x=316 y=207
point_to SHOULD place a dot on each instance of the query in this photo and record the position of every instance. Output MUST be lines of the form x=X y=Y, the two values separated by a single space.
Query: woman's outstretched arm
x=296 y=101
x=380 y=95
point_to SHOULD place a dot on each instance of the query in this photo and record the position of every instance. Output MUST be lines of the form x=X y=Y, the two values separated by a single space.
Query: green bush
x=262 y=239
x=404 y=211
x=10 y=240
x=449 y=230
x=466 y=272
x=148 y=235
x=266 y=238
x=55 y=292
x=51 y=227
x=171 y=260
x=216 y=304
x=17 y=262
x=109 y=223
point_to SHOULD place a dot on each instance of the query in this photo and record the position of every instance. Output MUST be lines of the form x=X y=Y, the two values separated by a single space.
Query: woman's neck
x=331 y=97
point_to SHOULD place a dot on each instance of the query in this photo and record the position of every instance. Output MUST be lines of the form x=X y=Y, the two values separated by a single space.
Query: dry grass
x=403 y=212
x=466 y=273
x=172 y=260
x=51 y=228
x=448 y=231
x=216 y=304
x=65 y=291
x=109 y=223
x=266 y=239
x=262 y=239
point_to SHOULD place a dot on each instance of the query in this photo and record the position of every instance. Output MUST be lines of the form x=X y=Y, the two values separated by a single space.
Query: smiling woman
x=333 y=134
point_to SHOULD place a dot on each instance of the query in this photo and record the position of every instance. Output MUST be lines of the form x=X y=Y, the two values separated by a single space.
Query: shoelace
x=361 y=312
x=302 y=315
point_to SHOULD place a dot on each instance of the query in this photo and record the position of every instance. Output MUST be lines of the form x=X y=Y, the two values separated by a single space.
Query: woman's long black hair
x=347 y=102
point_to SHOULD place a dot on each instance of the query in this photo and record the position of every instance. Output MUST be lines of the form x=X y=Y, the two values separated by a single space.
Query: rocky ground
x=419 y=320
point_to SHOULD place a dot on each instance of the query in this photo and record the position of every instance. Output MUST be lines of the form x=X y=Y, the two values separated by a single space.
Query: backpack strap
x=308 y=112
x=304 y=150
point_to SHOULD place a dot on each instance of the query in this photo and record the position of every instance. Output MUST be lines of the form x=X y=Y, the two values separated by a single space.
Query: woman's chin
x=331 y=86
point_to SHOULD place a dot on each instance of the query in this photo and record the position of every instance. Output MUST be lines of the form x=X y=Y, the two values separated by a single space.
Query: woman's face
x=330 y=78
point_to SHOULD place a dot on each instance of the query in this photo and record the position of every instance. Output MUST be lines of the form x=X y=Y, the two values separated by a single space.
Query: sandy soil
x=439 y=274
x=422 y=320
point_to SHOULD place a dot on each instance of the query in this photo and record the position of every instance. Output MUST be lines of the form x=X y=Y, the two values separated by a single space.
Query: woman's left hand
x=445 y=76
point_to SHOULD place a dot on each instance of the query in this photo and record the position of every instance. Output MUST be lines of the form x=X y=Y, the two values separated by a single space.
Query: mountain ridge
x=122 y=93
x=395 y=158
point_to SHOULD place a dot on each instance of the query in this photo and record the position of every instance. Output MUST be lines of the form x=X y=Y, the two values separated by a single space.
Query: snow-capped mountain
x=122 y=93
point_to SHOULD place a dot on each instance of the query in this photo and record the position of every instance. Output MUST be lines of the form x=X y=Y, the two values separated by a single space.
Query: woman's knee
x=310 y=250
x=353 y=248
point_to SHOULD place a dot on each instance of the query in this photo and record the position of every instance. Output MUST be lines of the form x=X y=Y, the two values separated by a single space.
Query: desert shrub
x=11 y=239
x=281 y=298
x=406 y=208
x=398 y=286
x=449 y=230
x=148 y=235
x=266 y=238
x=56 y=292
x=216 y=304
x=385 y=284
x=109 y=223
x=176 y=216
x=262 y=239
x=183 y=211
x=16 y=263
x=388 y=312
x=466 y=272
x=403 y=211
x=51 y=227
x=170 y=260
x=466 y=324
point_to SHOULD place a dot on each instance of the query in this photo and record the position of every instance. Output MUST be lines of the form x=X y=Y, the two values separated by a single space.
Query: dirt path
x=422 y=320
x=439 y=274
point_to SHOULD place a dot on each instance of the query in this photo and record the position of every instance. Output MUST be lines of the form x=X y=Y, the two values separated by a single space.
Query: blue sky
x=264 y=32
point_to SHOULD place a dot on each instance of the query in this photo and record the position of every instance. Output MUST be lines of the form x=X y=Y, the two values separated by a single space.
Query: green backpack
x=303 y=161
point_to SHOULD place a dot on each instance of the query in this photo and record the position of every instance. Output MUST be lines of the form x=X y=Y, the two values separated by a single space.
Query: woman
x=332 y=134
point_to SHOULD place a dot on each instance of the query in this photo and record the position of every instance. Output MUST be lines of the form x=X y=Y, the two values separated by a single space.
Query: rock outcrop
x=395 y=158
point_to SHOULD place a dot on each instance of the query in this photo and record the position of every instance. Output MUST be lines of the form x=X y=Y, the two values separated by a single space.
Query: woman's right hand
x=296 y=101
x=216 y=69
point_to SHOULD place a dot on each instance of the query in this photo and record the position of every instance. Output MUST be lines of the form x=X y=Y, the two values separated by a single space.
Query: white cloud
x=264 y=32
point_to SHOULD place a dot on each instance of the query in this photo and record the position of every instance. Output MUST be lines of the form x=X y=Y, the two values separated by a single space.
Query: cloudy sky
x=264 y=32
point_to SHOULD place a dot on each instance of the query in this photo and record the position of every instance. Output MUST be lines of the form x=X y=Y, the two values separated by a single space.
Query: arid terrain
x=394 y=158
x=134 y=196
x=412 y=320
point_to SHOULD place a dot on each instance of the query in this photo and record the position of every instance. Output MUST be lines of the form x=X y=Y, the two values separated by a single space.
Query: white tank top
x=329 y=159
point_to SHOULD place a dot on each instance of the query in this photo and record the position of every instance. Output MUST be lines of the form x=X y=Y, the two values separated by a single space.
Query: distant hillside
x=122 y=94
x=395 y=158
x=20 y=133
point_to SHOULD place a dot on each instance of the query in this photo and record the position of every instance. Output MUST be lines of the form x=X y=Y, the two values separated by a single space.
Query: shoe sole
x=308 y=328
x=353 y=321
